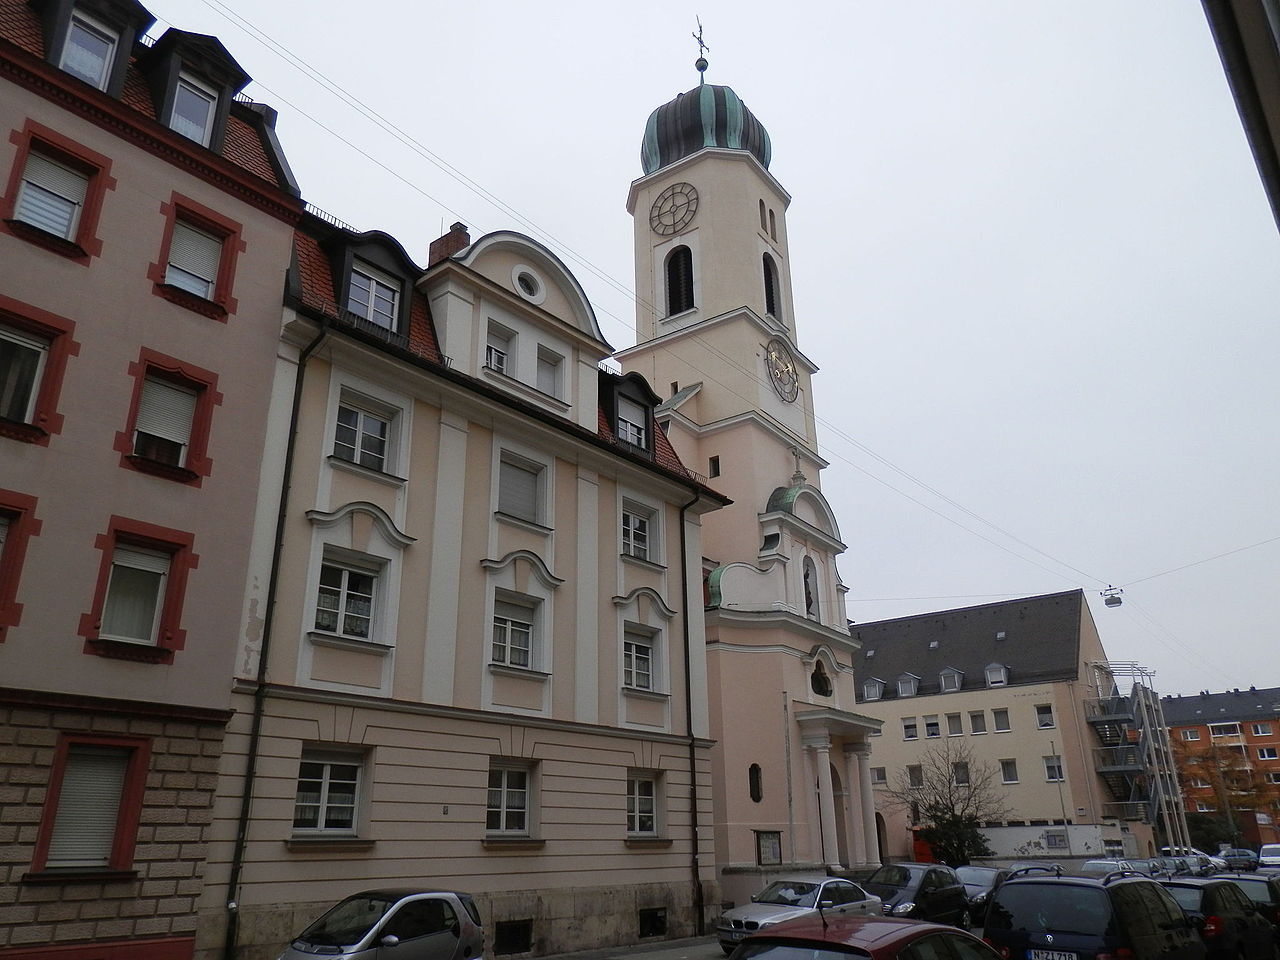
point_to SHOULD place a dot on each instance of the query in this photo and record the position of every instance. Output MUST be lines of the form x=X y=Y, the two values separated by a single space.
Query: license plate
x=1050 y=955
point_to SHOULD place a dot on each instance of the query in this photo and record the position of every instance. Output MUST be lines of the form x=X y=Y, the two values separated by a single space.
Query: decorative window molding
x=170 y=419
x=528 y=283
x=137 y=603
x=55 y=193
x=18 y=524
x=198 y=253
x=34 y=348
x=330 y=792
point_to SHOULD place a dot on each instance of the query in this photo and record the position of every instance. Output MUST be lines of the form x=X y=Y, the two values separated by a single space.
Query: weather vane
x=701 y=62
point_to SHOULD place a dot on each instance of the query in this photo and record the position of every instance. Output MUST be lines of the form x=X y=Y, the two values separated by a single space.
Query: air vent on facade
x=512 y=936
x=653 y=922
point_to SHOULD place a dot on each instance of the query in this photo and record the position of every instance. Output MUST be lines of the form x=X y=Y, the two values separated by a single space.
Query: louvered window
x=89 y=51
x=135 y=594
x=194 y=258
x=193 y=110
x=162 y=431
x=679 y=281
x=52 y=196
x=518 y=491
x=84 y=827
x=21 y=365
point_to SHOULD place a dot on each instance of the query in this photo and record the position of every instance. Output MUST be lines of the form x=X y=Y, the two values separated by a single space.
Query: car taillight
x=1212 y=927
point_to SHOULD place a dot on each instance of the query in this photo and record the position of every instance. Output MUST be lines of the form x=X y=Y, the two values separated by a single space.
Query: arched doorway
x=881 y=834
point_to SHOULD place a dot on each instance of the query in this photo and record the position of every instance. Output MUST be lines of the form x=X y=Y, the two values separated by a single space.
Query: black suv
x=921 y=891
x=1037 y=915
x=1229 y=923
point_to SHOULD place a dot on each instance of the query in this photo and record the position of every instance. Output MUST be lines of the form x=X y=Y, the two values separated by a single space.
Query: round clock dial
x=782 y=370
x=674 y=209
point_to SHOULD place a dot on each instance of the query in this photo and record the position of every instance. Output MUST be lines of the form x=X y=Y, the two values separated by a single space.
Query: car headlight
x=979 y=900
x=904 y=908
x=766 y=923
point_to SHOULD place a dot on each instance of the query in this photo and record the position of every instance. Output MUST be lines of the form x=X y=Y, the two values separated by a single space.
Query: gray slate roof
x=1037 y=638
x=1231 y=705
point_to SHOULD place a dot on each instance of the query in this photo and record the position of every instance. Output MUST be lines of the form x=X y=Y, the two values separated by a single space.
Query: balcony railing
x=1118 y=760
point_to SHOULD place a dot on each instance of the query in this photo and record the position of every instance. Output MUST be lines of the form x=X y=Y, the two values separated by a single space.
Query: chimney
x=456 y=239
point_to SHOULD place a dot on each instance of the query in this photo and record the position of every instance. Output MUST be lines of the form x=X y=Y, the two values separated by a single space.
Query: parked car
x=1176 y=867
x=1100 y=868
x=978 y=884
x=420 y=924
x=1039 y=916
x=1215 y=863
x=1264 y=890
x=1240 y=859
x=863 y=938
x=1269 y=855
x=1231 y=926
x=793 y=897
x=921 y=891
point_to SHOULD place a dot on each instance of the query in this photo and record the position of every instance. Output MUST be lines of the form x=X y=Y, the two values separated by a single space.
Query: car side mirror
x=390 y=940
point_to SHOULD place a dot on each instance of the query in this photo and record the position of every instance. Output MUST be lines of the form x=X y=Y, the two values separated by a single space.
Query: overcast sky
x=1029 y=249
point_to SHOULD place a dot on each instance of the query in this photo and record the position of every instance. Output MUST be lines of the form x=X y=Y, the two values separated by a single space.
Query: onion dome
x=709 y=115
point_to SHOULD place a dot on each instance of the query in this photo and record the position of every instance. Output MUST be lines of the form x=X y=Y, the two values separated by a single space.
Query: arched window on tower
x=762 y=224
x=773 y=226
x=770 y=287
x=810 y=589
x=679 y=281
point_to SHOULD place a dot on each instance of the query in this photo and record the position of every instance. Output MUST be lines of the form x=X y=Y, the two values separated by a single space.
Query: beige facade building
x=719 y=336
x=146 y=223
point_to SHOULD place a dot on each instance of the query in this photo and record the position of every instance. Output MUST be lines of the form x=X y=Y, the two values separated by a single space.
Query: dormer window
x=949 y=680
x=194 y=106
x=908 y=684
x=373 y=296
x=632 y=422
x=997 y=675
x=872 y=689
x=89 y=50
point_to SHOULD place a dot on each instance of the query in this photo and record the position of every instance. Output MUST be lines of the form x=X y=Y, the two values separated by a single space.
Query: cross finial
x=798 y=476
x=701 y=62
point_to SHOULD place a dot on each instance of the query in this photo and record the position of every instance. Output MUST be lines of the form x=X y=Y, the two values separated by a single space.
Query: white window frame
x=1009 y=774
x=328 y=759
x=511 y=460
x=1045 y=720
x=643 y=791
x=356 y=449
x=910 y=728
x=1217 y=730
x=980 y=728
x=499 y=349
x=915 y=775
x=345 y=597
x=1273 y=776
x=51 y=184
x=549 y=376
x=1052 y=762
x=956 y=728
x=515 y=633
x=1200 y=783
x=639 y=658
x=908 y=684
x=129 y=557
x=1204 y=807
x=100 y=31
x=1261 y=729
x=633 y=422
x=638 y=528
x=997 y=675
x=202 y=91
x=507 y=792
x=379 y=282
x=8 y=390
x=1190 y=734
x=872 y=689
x=167 y=412
x=995 y=720
x=931 y=722
x=949 y=681
x=879 y=775
x=198 y=247
x=1268 y=753
x=960 y=773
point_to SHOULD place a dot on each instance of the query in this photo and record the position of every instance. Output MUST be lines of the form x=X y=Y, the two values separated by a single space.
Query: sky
x=1029 y=249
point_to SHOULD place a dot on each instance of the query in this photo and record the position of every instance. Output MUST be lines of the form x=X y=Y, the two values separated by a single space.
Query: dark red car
x=879 y=938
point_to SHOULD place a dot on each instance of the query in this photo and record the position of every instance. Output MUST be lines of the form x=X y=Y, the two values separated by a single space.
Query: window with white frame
x=520 y=489
x=194 y=258
x=1199 y=782
x=949 y=680
x=550 y=366
x=1224 y=730
x=194 y=105
x=515 y=622
x=907 y=685
x=1053 y=769
x=51 y=195
x=931 y=727
x=637 y=659
x=909 y=729
x=872 y=689
x=497 y=351
x=915 y=775
x=1267 y=753
x=91 y=790
x=507 y=810
x=997 y=675
x=1055 y=839
x=328 y=792
x=345 y=600
x=135 y=594
x=1204 y=807
x=1190 y=734
x=1261 y=729
x=960 y=773
x=1000 y=720
x=361 y=436
x=1044 y=716
x=162 y=428
x=1273 y=776
x=977 y=721
x=22 y=360
x=879 y=775
x=1009 y=771
x=955 y=725
x=633 y=422
x=373 y=295
x=642 y=799
x=89 y=50
x=636 y=522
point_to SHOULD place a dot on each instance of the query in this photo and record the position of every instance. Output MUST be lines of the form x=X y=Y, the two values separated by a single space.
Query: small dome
x=709 y=115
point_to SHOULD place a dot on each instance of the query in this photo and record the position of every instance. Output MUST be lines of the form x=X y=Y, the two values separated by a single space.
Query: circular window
x=528 y=284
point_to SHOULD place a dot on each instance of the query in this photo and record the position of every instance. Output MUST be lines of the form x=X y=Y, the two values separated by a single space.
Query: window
x=773 y=225
x=768 y=847
x=642 y=819
x=679 y=281
x=1190 y=734
x=549 y=366
x=373 y=296
x=1262 y=729
x=811 y=602
x=1009 y=771
x=637 y=660
x=915 y=775
x=498 y=349
x=1000 y=720
x=198 y=253
x=997 y=675
x=52 y=195
x=345 y=602
x=1053 y=769
x=977 y=722
x=194 y=105
x=1224 y=730
x=955 y=726
x=960 y=773
x=949 y=680
x=1044 y=716
x=361 y=437
x=17 y=525
x=713 y=467
x=755 y=783
x=633 y=420
x=508 y=805
x=907 y=685
x=872 y=689
x=931 y=728
x=22 y=361
x=162 y=429
x=770 y=287
x=170 y=418
x=519 y=489
x=879 y=775
x=1199 y=782
x=763 y=226
x=1204 y=807
x=513 y=632
x=635 y=531
x=90 y=821
x=194 y=257
x=819 y=682
x=1267 y=753
x=1055 y=839
x=328 y=792
x=1273 y=776
x=89 y=51
x=909 y=730
x=135 y=595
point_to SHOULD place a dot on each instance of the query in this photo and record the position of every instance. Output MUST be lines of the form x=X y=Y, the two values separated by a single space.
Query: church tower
x=719 y=338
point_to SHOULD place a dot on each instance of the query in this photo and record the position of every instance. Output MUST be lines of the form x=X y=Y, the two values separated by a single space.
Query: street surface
x=699 y=948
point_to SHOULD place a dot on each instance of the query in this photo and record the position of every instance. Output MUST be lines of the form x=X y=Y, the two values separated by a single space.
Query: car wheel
x=966 y=920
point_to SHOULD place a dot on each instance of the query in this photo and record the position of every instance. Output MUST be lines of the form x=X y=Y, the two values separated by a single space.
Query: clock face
x=782 y=370
x=674 y=209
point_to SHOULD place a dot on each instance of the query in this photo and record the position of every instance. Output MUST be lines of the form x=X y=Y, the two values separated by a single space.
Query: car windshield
x=348 y=922
x=1050 y=908
x=1256 y=889
x=891 y=875
x=797 y=951
x=976 y=876
x=791 y=893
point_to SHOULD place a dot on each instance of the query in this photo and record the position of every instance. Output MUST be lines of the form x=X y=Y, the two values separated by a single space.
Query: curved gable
x=805 y=502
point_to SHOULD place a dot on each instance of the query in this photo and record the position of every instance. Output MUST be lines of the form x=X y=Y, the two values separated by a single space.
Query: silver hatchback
x=419 y=924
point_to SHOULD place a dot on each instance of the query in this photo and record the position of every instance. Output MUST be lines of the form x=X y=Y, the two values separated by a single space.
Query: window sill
x=522 y=673
x=188 y=300
x=348 y=643
x=681 y=315
x=124 y=650
x=639 y=693
x=336 y=844
x=360 y=470
x=158 y=468
x=508 y=382
x=24 y=432
x=648 y=843
x=522 y=523
x=512 y=843
x=643 y=562
x=80 y=876
x=50 y=241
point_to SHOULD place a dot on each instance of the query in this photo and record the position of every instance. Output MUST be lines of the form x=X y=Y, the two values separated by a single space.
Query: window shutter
x=547 y=376
x=166 y=411
x=195 y=251
x=518 y=491
x=59 y=193
x=85 y=826
x=512 y=611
